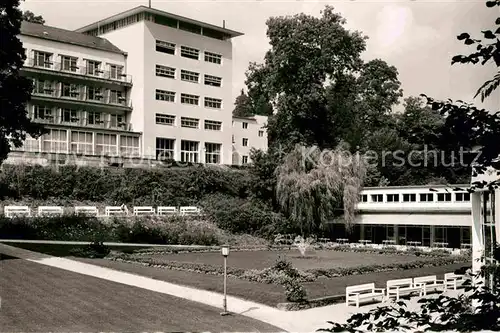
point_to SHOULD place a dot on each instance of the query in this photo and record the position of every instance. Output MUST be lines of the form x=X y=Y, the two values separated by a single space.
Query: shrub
x=170 y=187
x=242 y=216
x=93 y=250
x=150 y=230
x=294 y=291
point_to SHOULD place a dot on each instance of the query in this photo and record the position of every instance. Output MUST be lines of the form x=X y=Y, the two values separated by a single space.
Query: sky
x=417 y=37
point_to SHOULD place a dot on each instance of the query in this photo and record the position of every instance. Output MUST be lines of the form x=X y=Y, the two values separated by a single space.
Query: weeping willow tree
x=314 y=186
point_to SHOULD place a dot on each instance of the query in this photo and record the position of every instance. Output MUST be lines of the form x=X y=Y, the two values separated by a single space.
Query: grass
x=263 y=259
x=38 y=298
x=273 y=294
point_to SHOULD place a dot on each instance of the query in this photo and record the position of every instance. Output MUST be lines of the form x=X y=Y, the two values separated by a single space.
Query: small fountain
x=303 y=244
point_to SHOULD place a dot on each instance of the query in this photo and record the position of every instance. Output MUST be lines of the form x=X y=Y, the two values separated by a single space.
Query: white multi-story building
x=81 y=93
x=248 y=132
x=182 y=72
x=420 y=215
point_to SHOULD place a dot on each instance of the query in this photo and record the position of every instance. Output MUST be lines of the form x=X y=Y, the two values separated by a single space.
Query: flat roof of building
x=245 y=118
x=452 y=186
x=141 y=9
x=67 y=36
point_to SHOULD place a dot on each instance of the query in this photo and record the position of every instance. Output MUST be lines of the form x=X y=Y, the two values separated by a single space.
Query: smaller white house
x=248 y=132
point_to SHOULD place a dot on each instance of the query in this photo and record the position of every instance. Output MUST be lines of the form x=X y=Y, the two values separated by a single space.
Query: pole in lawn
x=225 y=254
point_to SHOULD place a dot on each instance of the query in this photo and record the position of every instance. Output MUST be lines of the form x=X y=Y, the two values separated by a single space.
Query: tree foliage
x=306 y=53
x=487 y=51
x=29 y=16
x=242 y=106
x=15 y=90
x=314 y=185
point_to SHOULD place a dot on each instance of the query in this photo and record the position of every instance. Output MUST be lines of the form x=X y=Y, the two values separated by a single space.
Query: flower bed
x=270 y=275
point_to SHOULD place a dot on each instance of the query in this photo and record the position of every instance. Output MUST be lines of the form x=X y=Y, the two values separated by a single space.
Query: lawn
x=39 y=298
x=263 y=259
x=271 y=294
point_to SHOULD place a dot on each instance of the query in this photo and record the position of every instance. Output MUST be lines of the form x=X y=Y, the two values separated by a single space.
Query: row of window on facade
x=169 y=96
x=188 y=52
x=188 y=76
x=189 y=151
x=45 y=59
x=55 y=115
x=82 y=142
x=170 y=120
x=158 y=19
x=80 y=92
x=244 y=125
x=412 y=197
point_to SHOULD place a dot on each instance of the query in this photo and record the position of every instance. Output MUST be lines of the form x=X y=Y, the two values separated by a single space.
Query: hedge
x=141 y=230
x=170 y=187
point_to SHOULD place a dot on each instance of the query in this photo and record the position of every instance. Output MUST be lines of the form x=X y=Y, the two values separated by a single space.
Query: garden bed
x=269 y=294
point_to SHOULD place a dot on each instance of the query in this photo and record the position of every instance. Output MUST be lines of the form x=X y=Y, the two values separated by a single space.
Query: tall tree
x=242 y=106
x=31 y=17
x=15 y=90
x=379 y=90
x=306 y=52
x=314 y=185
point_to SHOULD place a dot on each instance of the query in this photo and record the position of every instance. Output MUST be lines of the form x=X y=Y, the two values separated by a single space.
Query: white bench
x=429 y=282
x=12 y=211
x=144 y=210
x=401 y=287
x=50 y=211
x=189 y=210
x=115 y=210
x=166 y=211
x=453 y=281
x=86 y=210
x=363 y=292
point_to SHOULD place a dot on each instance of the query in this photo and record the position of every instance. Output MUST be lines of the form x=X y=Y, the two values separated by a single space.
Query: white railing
x=25 y=211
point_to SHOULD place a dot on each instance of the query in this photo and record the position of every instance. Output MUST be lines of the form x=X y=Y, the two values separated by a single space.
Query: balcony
x=78 y=71
x=84 y=122
x=77 y=96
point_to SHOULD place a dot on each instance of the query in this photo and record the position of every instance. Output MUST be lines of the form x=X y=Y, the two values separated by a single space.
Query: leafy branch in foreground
x=468 y=126
x=485 y=51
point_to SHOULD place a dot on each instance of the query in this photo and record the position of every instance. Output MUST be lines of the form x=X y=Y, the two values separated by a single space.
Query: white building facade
x=81 y=93
x=248 y=133
x=424 y=215
x=182 y=73
x=485 y=220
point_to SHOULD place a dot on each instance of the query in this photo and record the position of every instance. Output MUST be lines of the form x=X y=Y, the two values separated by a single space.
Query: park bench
x=363 y=292
x=364 y=241
x=387 y=242
x=413 y=243
x=453 y=281
x=342 y=240
x=189 y=210
x=86 y=210
x=115 y=210
x=12 y=211
x=465 y=246
x=402 y=287
x=166 y=210
x=50 y=211
x=144 y=210
x=429 y=283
